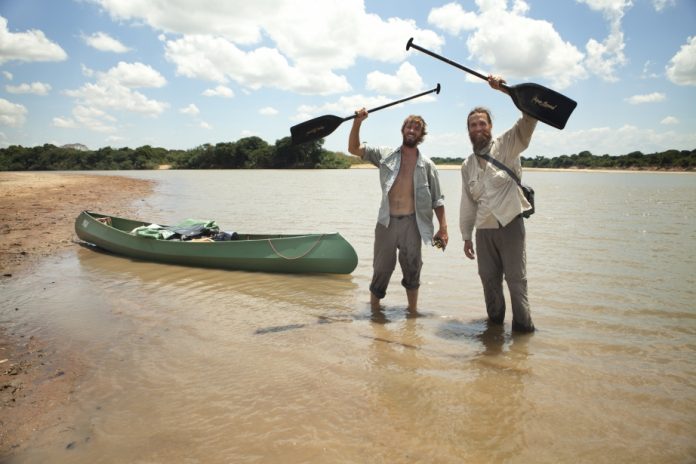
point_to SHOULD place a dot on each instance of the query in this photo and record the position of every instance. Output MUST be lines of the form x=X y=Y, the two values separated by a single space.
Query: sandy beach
x=37 y=212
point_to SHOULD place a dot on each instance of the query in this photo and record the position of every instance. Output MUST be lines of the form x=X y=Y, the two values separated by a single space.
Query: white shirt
x=490 y=197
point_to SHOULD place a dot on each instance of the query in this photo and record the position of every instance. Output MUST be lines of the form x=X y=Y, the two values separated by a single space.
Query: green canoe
x=310 y=253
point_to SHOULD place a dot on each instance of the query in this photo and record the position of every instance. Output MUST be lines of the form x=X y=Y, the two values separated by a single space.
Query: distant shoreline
x=450 y=167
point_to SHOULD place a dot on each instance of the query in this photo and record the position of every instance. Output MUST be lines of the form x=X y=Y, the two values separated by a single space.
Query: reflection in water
x=502 y=377
x=221 y=366
x=491 y=398
x=403 y=334
x=492 y=338
x=323 y=295
x=473 y=386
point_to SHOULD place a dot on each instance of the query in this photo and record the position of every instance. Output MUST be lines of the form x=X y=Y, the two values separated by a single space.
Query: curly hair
x=418 y=119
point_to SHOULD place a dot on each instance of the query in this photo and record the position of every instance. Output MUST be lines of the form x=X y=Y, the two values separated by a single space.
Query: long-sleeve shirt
x=490 y=197
x=426 y=187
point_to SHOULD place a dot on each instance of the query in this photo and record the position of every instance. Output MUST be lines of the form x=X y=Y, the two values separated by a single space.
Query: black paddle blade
x=544 y=104
x=314 y=129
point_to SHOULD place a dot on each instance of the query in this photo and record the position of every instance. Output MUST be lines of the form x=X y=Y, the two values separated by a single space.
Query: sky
x=182 y=73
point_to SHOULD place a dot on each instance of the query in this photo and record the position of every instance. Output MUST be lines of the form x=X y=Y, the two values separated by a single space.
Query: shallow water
x=196 y=365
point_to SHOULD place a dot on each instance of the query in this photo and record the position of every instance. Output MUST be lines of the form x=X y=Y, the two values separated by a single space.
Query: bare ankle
x=412 y=297
x=375 y=303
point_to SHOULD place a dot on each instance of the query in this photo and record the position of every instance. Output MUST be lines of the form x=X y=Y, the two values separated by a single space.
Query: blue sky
x=181 y=73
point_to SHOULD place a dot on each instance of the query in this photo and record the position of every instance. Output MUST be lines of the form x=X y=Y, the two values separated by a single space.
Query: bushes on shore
x=255 y=153
x=245 y=153
x=683 y=160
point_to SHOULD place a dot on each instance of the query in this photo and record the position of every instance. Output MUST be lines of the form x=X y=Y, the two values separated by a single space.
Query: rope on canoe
x=296 y=257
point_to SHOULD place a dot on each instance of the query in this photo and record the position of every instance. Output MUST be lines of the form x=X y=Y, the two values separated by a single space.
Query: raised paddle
x=537 y=101
x=324 y=125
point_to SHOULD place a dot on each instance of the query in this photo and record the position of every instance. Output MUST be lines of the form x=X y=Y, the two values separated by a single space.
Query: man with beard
x=493 y=202
x=410 y=193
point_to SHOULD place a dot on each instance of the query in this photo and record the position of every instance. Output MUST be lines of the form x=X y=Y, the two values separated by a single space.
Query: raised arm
x=354 y=146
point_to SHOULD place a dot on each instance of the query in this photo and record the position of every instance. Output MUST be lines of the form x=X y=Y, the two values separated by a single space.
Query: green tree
x=297 y=156
x=253 y=152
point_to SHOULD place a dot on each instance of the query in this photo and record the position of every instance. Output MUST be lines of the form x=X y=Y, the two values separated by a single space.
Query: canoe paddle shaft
x=537 y=101
x=436 y=90
x=322 y=126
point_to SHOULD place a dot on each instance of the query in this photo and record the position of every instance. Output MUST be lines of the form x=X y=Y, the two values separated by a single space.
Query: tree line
x=245 y=153
x=255 y=153
x=682 y=160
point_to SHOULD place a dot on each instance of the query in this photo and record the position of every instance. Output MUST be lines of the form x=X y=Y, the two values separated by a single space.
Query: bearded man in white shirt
x=493 y=203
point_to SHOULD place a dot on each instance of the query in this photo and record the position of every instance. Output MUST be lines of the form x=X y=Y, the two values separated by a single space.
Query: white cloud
x=205 y=125
x=268 y=111
x=219 y=91
x=105 y=43
x=320 y=33
x=64 y=123
x=8 y=75
x=94 y=119
x=660 y=5
x=87 y=72
x=529 y=47
x=37 y=88
x=217 y=59
x=604 y=57
x=647 y=98
x=196 y=16
x=682 y=66
x=191 y=110
x=113 y=90
x=104 y=95
x=453 y=19
x=520 y=7
x=404 y=82
x=27 y=46
x=670 y=121
x=295 y=45
x=12 y=114
x=134 y=75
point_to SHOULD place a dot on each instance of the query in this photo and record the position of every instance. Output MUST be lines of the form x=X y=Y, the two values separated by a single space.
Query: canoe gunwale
x=270 y=242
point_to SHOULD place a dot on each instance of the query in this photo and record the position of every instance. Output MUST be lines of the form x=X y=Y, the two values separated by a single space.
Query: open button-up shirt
x=426 y=187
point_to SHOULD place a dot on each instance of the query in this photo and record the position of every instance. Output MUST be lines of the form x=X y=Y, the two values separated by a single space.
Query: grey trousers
x=402 y=235
x=501 y=253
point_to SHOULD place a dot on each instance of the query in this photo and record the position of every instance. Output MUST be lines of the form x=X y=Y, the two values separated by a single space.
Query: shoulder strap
x=490 y=159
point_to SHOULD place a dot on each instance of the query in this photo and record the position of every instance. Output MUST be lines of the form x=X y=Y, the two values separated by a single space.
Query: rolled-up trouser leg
x=383 y=261
x=490 y=270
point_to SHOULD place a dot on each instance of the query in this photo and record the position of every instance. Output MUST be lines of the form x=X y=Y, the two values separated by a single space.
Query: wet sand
x=37 y=214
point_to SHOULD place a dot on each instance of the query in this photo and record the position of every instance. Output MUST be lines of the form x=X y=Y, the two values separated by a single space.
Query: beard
x=410 y=142
x=480 y=140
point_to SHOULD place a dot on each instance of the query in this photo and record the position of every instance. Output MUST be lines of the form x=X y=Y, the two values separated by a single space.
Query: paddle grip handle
x=410 y=45
x=436 y=90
